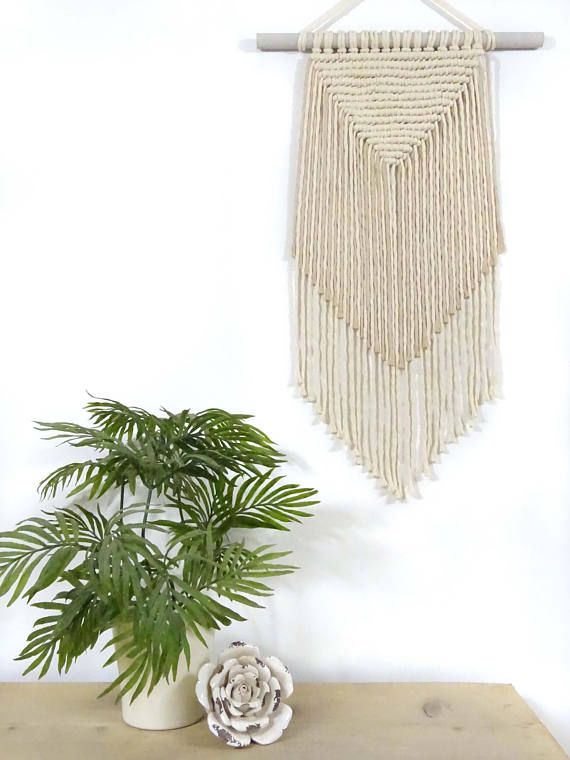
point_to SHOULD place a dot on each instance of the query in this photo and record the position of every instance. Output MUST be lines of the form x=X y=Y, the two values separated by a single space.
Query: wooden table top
x=41 y=721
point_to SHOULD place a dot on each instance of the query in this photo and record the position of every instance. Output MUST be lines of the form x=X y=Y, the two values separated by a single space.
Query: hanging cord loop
x=473 y=32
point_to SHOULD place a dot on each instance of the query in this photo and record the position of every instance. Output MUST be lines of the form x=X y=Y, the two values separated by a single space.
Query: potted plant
x=145 y=548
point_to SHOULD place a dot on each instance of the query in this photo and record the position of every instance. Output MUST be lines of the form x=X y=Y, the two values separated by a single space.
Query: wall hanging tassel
x=396 y=244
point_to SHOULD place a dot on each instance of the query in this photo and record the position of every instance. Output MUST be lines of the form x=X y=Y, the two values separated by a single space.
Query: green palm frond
x=47 y=545
x=153 y=642
x=216 y=471
x=76 y=621
x=119 y=421
x=239 y=572
x=257 y=501
x=165 y=452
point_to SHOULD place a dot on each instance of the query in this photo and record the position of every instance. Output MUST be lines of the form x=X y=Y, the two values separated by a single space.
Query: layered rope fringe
x=397 y=237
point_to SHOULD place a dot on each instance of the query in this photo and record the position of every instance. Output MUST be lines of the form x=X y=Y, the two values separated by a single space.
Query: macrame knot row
x=391 y=41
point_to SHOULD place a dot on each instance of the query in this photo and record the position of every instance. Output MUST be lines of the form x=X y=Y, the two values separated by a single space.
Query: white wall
x=144 y=188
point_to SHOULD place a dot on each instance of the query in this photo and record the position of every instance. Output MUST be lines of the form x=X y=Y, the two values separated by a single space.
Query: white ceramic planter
x=174 y=704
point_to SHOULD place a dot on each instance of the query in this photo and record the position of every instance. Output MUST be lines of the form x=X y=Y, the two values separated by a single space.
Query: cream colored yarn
x=397 y=237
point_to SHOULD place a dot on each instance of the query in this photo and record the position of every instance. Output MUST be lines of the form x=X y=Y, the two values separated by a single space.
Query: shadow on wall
x=311 y=620
x=297 y=105
x=324 y=546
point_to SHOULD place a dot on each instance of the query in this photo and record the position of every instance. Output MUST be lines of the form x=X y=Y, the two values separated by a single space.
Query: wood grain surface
x=405 y=721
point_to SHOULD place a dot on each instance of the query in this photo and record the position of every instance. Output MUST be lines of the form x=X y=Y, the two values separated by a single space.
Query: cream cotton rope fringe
x=396 y=242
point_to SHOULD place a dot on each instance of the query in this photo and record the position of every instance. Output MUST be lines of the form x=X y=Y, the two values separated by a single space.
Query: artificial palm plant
x=160 y=556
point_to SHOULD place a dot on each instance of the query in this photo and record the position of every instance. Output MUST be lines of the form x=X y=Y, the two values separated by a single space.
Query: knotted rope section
x=396 y=242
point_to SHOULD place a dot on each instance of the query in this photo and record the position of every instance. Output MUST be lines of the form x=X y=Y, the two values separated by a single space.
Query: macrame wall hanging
x=396 y=241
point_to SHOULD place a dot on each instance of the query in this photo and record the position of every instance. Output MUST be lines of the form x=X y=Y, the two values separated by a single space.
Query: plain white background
x=145 y=173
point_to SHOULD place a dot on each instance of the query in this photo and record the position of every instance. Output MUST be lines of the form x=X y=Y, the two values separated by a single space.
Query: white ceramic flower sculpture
x=242 y=694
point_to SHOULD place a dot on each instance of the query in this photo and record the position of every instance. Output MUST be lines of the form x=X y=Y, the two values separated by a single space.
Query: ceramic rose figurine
x=242 y=693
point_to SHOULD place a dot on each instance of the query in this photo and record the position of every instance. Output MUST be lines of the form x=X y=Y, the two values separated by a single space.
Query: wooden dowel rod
x=282 y=42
